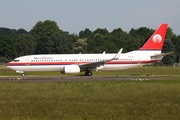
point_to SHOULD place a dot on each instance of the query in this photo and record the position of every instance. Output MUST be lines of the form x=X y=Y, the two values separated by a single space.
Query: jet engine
x=71 y=69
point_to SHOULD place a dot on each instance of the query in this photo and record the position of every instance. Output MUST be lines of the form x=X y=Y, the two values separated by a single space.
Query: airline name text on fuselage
x=44 y=57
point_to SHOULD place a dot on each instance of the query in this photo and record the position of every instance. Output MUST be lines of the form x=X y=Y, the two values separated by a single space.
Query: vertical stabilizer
x=156 y=41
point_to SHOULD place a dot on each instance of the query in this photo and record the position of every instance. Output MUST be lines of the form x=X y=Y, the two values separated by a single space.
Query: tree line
x=47 y=38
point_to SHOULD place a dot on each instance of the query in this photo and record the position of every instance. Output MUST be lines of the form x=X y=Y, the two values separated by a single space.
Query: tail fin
x=156 y=41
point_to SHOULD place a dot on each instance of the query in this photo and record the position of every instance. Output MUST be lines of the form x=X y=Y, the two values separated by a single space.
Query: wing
x=94 y=65
x=91 y=65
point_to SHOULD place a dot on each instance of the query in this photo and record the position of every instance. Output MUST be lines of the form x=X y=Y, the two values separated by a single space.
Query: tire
x=88 y=73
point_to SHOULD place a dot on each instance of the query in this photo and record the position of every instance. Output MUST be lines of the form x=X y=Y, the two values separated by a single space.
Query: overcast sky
x=76 y=15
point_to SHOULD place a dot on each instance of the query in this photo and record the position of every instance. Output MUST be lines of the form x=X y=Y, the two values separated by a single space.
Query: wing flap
x=91 y=65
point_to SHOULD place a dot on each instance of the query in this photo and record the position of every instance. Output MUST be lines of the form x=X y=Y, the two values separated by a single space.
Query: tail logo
x=157 y=38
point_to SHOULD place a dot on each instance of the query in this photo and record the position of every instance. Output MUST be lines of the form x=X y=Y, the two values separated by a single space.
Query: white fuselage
x=56 y=62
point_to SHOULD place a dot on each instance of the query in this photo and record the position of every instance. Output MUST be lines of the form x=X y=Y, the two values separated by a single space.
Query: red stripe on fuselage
x=69 y=63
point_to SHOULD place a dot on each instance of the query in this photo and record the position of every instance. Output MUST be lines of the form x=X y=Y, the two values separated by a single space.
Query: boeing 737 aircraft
x=75 y=63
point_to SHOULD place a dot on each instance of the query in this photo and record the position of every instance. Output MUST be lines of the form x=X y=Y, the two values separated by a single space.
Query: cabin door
x=139 y=59
x=27 y=61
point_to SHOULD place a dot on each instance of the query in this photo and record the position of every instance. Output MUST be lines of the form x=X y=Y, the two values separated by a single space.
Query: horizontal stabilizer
x=162 y=54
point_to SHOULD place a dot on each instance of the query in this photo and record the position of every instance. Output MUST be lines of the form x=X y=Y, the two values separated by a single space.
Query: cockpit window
x=16 y=60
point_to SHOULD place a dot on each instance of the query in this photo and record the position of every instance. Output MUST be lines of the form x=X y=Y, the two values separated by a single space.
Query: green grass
x=91 y=100
x=87 y=100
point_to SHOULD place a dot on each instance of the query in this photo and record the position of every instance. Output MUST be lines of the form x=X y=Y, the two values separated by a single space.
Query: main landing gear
x=88 y=73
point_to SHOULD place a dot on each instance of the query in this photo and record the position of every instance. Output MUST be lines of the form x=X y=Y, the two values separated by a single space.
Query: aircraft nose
x=8 y=64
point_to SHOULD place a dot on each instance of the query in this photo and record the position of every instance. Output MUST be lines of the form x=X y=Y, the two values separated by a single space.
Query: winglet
x=118 y=54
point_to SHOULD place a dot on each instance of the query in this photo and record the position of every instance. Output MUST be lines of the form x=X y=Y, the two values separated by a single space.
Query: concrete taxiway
x=75 y=78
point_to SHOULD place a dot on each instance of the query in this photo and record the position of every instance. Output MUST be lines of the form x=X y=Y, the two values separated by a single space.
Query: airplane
x=149 y=53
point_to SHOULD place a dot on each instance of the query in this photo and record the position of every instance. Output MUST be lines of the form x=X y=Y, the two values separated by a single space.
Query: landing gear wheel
x=88 y=73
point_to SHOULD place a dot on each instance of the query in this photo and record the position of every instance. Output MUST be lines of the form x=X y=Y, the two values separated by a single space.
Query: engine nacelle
x=71 y=69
